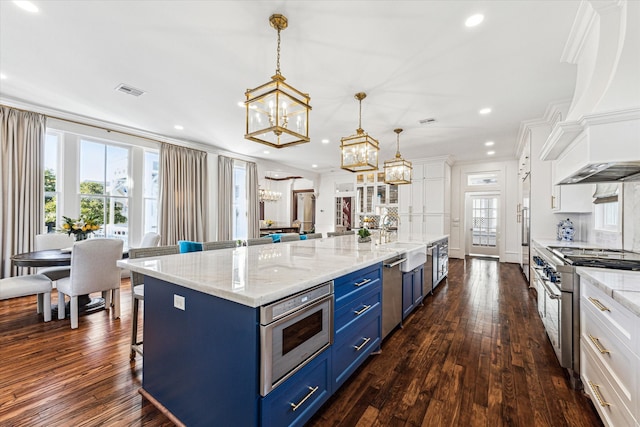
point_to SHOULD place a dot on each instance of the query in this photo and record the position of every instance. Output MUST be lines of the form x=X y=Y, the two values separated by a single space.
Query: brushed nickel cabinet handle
x=365 y=308
x=599 y=346
x=295 y=406
x=596 y=391
x=598 y=304
x=359 y=347
x=364 y=282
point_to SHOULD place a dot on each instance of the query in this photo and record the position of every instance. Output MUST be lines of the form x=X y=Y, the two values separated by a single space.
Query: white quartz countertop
x=427 y=239
x=623 y=286
x=258 y=275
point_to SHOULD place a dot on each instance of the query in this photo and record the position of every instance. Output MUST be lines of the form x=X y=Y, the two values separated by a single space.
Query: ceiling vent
x=427 y=121
x=130 y=90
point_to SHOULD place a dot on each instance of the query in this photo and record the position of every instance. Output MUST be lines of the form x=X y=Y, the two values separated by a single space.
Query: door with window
x=483 y=224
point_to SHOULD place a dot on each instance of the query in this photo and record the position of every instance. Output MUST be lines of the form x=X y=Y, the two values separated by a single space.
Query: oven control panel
x=546 y=269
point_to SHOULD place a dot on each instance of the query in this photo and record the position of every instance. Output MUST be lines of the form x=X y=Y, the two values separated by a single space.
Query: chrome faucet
x=385 y=222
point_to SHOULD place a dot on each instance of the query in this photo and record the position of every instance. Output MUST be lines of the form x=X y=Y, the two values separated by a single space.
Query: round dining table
x=57 y=258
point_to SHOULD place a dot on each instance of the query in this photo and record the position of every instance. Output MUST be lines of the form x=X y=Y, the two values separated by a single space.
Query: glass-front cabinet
x=372 y=193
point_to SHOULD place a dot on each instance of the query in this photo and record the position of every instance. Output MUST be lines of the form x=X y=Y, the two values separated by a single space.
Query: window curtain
x=22 y=137
x=606 y=193
x=183 y=194
x=253 y=205
x=225 y=198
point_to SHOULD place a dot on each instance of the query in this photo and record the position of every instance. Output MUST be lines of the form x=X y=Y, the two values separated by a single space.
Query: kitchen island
x=202 y=332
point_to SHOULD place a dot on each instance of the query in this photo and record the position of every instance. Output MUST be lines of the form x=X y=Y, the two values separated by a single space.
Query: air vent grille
x=128 y=89
x=427 y=121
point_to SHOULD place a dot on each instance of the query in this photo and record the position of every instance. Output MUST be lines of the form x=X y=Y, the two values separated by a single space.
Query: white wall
x=325 y=202
x=508 y=188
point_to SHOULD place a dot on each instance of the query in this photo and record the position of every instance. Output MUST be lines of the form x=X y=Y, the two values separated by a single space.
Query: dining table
x=58 y=258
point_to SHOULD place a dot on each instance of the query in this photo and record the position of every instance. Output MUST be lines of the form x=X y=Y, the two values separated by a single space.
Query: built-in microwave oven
x=292 y=332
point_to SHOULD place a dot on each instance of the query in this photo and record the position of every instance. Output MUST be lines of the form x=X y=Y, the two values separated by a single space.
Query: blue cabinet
x=297 y=399
x=358 y=321
x=412 y=293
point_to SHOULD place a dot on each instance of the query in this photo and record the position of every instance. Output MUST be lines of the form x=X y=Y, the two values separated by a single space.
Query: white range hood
x=599 y=140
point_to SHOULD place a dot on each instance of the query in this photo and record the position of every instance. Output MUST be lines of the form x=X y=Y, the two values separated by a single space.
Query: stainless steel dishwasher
x=391 y=294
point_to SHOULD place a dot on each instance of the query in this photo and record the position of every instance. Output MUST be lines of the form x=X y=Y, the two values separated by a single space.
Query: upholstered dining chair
x=137 y=289
x=289 y=237
x=54 y=241
x=259 y=241
x=93 y=269
x=149 y=240
x=314 y=236
x=32 y=284
x=222 y=244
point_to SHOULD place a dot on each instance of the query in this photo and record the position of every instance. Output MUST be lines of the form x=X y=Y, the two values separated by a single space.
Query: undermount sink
x=415 y=253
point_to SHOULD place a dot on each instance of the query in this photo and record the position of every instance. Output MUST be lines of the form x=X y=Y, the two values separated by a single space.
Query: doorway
x=304 y=209
x=483 y=224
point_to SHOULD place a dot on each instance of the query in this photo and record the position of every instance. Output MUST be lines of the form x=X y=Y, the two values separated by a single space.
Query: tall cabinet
x=425 y=205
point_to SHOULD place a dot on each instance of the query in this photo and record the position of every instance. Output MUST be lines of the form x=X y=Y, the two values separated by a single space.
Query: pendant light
x=359 y=151
x=397 y=170
x=277 y=113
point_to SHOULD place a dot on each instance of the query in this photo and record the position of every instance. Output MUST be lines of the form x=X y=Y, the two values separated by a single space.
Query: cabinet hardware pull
x=365 y=308
x=364 y=282
x=359 y=347
x=393 y=264
x=549 y=291
x=553 y=202
x=599 y=346
x=313 y=390
x=596 y=391
x=598 y=304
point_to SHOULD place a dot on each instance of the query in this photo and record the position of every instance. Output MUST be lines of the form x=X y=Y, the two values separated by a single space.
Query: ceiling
x=195 y=59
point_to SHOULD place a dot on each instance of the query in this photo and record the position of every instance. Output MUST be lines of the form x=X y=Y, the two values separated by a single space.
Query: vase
x=364 y=239
x=81 y=236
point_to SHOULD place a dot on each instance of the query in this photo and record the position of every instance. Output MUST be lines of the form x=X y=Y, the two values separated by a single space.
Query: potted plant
x=364 y=235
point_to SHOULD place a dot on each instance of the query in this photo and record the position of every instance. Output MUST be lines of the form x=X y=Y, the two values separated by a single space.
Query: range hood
x=605 y=172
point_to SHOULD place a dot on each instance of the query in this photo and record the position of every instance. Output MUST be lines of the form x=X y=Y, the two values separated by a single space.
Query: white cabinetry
x=609 y=356
x=425 y=204
x=570 y=198
x=372 y=192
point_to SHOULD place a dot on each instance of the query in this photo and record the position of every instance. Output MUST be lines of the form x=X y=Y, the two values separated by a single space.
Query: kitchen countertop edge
x=621 y=285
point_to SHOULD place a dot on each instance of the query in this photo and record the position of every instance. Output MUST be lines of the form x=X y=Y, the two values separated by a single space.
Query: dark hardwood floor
x=475 y=354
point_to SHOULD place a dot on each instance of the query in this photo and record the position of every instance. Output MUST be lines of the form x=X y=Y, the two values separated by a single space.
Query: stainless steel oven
x=292 y=332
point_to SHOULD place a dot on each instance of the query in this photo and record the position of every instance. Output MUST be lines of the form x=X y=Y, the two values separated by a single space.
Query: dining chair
x=314 y=236
x=334 y=233
x=222 y=244
x=259 y=241
x=348 y=233
x=289 y=237
x=93 y=269
x=149 y=240
x=32 y=284
x=137 y=289
x=50 y=241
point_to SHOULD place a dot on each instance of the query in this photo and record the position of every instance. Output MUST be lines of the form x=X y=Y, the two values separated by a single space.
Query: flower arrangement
x=364 y=235
x=269 y=222
x=80 y=228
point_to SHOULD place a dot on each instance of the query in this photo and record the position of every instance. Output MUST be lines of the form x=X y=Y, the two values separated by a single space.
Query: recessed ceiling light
x=489 y=143
x=485 y=111
x=265 y=152
x=325 y=141
x=179 y=127
x=314 y=166
x=276 y=175
x=241 y=104
x=26 y=5
x=474 y=20
x=491 y=153
x=3 y=76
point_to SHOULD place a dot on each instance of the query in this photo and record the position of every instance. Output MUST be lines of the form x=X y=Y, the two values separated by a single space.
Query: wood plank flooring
x=475 y=354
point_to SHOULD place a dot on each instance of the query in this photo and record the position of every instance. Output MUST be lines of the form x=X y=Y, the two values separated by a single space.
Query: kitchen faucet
x=385 y=222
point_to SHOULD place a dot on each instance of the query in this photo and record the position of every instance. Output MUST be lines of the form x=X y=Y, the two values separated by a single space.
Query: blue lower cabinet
x=412 y=294
x=293 y=402
x=354 y=345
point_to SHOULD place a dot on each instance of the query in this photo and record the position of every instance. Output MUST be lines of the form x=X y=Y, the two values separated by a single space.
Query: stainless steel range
x=558 y=288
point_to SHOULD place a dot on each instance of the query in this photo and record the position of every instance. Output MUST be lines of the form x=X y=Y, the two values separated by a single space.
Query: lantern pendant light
x=359 y=151
x=277 y=114
x=398 y=170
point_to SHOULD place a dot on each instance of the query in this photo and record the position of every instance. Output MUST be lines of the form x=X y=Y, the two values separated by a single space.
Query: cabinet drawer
x=616 y=359
x=609 y=405
x=350 y=349
x=617 y=318
x=346 y=288
x=309 y=388
x=357 y=308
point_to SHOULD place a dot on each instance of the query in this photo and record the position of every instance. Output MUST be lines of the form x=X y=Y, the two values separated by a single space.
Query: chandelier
x=359 y=151
x=277 y=114
x=398 y=170
x=268 y=195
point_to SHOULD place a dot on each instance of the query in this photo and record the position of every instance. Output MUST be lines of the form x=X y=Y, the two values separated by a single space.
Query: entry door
x=483 y=219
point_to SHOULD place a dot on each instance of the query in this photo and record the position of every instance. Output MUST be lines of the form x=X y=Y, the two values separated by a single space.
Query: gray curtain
x=22 y=136
x=253 y=204
x=183 y=194
x=225 y=198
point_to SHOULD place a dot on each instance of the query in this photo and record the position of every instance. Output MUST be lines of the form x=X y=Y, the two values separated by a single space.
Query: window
x=151 y=191
x=477 y=179
x=240 y=214
x=51 y=182
x=607 y=217
x=104 y=187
